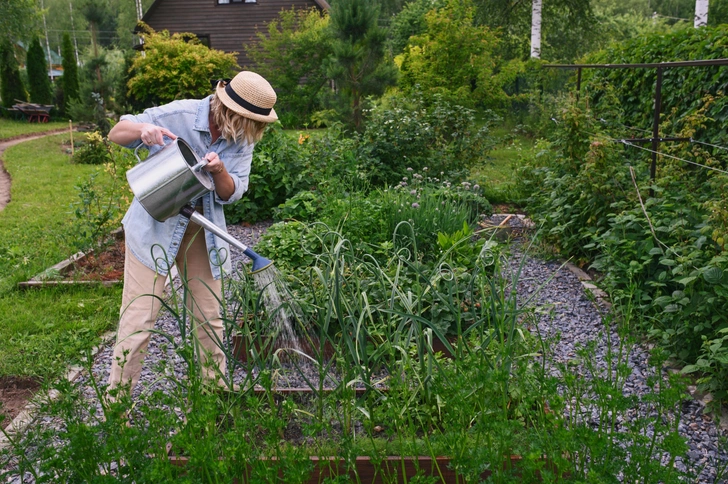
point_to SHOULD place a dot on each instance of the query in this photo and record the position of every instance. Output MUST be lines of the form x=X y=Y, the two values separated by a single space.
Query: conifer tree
x=358 y=63
x=11 y=86
x=39 y=83
x=69 y=81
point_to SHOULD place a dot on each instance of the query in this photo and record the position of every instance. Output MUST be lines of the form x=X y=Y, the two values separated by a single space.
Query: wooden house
x=222 y=24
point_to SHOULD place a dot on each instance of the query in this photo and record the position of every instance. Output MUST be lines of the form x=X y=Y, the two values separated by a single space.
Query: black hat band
x=242 y=102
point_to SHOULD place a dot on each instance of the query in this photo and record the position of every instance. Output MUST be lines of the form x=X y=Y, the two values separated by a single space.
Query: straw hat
x=249 y=95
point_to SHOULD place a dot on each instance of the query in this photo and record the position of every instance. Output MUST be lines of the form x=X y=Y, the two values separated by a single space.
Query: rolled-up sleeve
x=238 y=166
x=144 y=117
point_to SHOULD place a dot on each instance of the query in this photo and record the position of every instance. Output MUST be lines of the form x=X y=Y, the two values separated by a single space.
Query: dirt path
x=4 y=175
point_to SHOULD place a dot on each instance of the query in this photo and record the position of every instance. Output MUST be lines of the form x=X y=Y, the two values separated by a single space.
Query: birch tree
x=701 y=13
x=536 y=29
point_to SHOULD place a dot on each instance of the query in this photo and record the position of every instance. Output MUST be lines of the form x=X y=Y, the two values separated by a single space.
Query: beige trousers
x=139 y=310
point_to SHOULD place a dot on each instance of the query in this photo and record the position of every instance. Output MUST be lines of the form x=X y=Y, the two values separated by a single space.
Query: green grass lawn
x=10 y=128
x=43 y=330
x=497 y=175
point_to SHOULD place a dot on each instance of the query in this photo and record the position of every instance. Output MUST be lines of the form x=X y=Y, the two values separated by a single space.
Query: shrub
x=96 y=150
x=176 y=66
x=294 y=49
x=275 y=175
x=284 y=166
x=662 y=252
x=456 y=59
x=682 y=88
x=415 y=132
x=104 y=196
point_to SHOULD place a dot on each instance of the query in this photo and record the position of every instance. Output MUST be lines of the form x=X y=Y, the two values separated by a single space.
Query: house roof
x=322 y=4
x=228 y=26
x=55 y=58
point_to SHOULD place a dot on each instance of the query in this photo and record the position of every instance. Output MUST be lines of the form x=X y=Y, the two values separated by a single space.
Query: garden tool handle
x=194 y=216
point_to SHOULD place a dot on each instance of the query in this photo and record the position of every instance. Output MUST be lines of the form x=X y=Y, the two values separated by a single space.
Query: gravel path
x=569 y=316
x=564 y=310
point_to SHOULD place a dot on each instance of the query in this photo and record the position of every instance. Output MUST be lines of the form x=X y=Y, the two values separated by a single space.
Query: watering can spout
x=259 y=262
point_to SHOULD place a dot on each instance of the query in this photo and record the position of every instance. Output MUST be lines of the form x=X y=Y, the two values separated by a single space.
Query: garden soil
x=14 y=395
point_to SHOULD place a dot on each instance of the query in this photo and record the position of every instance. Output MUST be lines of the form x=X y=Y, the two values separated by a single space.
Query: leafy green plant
x=456 y=58
x=416 y=132
x=176 y=66
x=100 y=206
x=294 y=47
x=659 y=241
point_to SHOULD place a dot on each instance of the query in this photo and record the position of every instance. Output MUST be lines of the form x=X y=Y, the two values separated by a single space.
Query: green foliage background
x=38 y=82
x=659 y=244
x=177 y=66
x=11 y=85
x=683 y=89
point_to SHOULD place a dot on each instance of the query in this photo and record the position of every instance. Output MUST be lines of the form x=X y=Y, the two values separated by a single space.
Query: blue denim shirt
x=155 y=243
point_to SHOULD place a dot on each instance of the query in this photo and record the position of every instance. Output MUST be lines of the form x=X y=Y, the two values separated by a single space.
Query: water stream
x=278 y=305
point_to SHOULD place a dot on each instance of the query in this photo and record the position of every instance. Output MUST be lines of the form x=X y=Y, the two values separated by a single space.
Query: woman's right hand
x=154 y=135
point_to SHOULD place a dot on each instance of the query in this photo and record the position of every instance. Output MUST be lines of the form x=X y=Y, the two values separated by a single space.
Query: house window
x=204 y=39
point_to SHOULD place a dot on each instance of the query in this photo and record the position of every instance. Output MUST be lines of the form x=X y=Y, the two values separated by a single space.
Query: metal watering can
x=168 y=180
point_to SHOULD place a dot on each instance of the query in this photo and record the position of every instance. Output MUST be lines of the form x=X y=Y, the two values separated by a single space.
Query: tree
x=16 y=18
x=408 y=22
x=456 y=59
x=536 y=29
x=701 y=13
x=101 y=19
x=568 y=27
x=176 y=66
x=358 y=65
x=11 y=86
x=69 y=81
x=291 y=58
x=37 y=67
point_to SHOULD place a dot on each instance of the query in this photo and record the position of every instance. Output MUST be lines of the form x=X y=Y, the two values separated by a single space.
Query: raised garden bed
x=390 y=469
x=105 y=267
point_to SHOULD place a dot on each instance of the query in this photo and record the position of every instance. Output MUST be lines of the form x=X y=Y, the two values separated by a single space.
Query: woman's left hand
x=214 y=165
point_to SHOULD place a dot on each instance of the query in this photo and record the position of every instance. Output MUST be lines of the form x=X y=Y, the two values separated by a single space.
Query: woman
x=223 y=129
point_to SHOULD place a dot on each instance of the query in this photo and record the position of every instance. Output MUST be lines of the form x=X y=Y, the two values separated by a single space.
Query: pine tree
x=40 y=85
x=11 y=86
x=358 y=64
x=69 y=81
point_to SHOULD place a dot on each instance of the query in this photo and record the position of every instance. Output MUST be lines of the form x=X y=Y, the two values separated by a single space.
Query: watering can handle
x=136 y=150
x=199 y=166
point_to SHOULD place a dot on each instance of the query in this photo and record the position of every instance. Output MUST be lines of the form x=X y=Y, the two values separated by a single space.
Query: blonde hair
x=233 y=126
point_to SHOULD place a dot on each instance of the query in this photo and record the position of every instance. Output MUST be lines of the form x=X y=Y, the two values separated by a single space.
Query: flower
x=415 y=205
x=413 y=192
x=476 y=187
x=409 y=168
